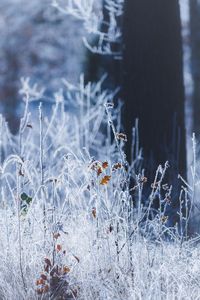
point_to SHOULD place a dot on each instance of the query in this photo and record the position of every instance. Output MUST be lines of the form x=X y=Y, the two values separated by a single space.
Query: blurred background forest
x=40 y=42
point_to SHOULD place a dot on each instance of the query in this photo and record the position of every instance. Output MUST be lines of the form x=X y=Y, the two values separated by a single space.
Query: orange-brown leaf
x=40 y=281
x=105 y=180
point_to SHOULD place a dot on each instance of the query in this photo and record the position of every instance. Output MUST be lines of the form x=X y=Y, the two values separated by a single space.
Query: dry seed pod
x=143 y=179
x=56 y=235
x=116 y=166
x=109 y=104
x=164 y=219
x=121 y=136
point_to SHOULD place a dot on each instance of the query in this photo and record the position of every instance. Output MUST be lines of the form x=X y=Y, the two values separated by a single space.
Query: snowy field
x=69 y=229
x=73 y=224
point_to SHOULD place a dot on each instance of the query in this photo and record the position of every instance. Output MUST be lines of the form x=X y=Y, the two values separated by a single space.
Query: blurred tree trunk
x=9 y=90
x=195 y=45
x=153 y=83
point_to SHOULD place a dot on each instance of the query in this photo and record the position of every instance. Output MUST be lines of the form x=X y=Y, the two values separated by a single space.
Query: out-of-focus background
x=39 y=42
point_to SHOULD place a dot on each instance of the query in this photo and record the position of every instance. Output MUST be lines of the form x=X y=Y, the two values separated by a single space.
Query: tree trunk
x=195 y=45
x=153 y=83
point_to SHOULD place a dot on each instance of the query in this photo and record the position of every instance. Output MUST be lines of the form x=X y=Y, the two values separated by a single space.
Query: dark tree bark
x=195 y=46
x=153 y=83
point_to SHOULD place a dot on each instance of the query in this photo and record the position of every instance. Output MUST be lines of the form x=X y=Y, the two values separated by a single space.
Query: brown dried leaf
x=105 y=165
x=99 y=171
x=66 y=270
x=58 y=247
x=94 y=212
x=43 y=276
x=105 y=180
x=47 y=261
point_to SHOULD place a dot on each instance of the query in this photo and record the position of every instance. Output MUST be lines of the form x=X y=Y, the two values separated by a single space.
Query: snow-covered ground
x=71 y=226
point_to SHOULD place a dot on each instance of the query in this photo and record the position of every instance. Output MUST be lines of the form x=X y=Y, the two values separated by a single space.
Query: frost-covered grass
x=70 y=228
